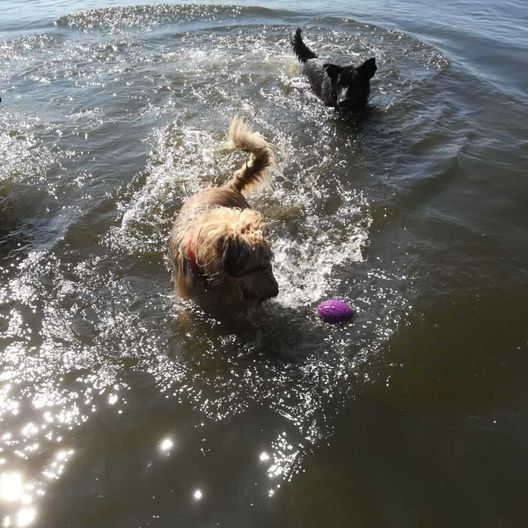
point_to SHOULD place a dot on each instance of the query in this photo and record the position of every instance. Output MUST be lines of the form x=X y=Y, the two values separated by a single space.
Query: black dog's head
x=351 y=85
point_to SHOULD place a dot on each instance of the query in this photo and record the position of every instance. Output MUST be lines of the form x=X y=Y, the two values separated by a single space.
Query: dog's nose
x=345 y=104
x=273 y=288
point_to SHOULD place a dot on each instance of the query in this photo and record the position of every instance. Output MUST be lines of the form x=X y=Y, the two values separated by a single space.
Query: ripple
x=88 y=317
x=148 y=17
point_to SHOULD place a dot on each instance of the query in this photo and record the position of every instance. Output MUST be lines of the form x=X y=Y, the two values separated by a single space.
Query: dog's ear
x=231 y=256
x=332 y=70
x=368 y=68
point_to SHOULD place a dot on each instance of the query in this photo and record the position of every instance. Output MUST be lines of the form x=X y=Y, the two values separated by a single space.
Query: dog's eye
x=249 y=271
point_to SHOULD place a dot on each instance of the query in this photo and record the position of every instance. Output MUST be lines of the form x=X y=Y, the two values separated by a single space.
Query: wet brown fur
x=228 y=239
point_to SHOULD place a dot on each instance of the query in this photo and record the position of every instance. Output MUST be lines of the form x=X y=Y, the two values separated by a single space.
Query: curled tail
x=261 y=160
x=302 y=51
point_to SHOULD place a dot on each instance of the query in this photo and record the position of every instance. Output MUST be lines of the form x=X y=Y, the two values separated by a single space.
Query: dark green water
x=121 y=407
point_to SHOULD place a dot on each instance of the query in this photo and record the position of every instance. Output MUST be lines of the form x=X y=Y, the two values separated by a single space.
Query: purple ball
x=334 y=311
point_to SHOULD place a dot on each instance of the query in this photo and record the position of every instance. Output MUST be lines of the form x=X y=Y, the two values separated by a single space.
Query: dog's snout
x=342 y=96
x=343 y=104
x=272 y=287
x=347 y=102
x=274 y=291
x=348 y=105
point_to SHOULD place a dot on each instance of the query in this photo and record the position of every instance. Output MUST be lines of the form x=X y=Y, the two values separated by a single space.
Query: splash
x=87 y=313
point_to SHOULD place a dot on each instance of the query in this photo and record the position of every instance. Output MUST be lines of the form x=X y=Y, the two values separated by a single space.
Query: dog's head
x=234 y=257
x=351 y=85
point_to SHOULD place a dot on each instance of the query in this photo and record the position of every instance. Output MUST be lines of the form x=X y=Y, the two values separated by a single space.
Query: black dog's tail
x=302 y=51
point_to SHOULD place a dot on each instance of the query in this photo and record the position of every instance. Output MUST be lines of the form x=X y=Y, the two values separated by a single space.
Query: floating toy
x=334 y=311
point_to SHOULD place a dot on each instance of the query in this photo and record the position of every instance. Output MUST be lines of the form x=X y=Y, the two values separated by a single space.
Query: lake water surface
x=122 y=407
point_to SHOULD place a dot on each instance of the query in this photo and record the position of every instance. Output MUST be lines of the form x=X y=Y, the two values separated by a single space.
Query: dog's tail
x=302 y=51
x=256 y=169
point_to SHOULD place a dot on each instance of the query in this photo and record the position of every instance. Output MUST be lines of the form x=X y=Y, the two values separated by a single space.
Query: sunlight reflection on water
x=87 y=304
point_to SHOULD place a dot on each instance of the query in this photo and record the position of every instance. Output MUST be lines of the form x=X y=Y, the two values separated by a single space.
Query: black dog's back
x=342 y=87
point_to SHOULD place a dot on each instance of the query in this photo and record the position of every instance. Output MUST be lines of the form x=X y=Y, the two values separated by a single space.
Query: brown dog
x=220 y=256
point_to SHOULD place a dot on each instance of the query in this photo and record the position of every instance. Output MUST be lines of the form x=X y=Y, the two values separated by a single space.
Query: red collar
x=191 y=257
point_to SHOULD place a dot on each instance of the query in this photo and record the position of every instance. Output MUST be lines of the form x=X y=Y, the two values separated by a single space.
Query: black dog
x=342 y=87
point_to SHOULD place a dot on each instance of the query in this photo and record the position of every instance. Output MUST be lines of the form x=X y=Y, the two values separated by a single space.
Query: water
x=121 y=407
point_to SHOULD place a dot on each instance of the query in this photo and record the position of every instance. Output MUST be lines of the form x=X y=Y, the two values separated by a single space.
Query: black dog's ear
x=231 y=255
x=368 y=68
x=332 y=70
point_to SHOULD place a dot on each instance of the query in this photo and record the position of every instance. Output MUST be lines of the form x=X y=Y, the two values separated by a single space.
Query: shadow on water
x=6 y=218
x=13 y=234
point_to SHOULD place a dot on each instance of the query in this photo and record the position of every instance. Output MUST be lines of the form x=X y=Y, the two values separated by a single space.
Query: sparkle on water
x=87 y=295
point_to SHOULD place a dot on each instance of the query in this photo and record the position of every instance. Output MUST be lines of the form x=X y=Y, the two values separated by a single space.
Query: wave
x=150 y=16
